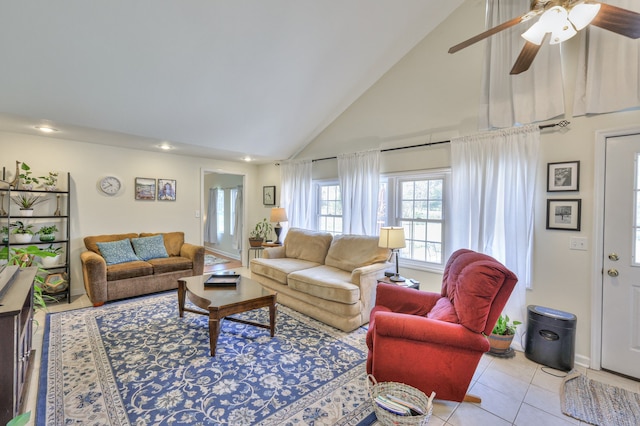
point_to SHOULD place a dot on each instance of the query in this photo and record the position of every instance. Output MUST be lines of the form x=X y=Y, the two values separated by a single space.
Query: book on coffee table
x=222 y=279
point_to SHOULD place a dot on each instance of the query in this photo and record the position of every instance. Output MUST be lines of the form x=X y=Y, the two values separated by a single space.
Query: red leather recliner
x=432 y=341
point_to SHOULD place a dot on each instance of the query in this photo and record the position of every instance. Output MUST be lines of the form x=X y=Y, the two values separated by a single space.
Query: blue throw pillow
x=149 y=247
x=117 y=252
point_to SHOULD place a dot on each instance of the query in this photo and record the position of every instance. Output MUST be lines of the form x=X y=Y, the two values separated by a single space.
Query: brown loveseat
x=136 y=277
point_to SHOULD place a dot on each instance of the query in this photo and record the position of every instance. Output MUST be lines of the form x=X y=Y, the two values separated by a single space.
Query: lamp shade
x=392 y=237
x=278 y=214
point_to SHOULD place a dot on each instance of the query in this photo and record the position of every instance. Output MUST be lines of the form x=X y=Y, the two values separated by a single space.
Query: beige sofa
x=331 y=279
x=104 y=282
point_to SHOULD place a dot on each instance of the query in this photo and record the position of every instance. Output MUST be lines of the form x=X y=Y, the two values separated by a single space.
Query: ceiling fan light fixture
x=563 y=34
x=582 y=14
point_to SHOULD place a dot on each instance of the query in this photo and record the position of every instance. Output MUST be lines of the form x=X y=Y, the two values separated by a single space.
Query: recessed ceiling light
x=247 y=158
x=46 y=129
x=165 y=146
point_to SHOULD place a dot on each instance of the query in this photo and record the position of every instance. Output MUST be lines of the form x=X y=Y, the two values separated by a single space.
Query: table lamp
x=393 y=237
x=278 y=214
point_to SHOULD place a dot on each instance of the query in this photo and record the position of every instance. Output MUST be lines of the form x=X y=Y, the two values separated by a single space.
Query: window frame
x=317 y=203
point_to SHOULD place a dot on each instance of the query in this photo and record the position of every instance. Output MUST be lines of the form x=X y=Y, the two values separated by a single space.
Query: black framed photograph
x=166 y=190
x=563 y=176
x=269 y=195
x=564 y=214
x=145 y=189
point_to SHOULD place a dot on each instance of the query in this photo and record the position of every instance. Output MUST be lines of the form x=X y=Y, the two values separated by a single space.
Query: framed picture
x=145 y=189
x=563 y=176
x=564 y=214
x=166 y=190
x=269 y=195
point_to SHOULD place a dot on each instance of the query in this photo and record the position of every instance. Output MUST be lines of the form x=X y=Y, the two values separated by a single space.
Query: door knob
x=614 y=257
x=612 y=272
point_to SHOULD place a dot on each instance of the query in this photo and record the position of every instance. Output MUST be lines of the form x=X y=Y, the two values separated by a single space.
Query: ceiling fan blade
x=489 y=32
x=622 y=21
x=526 y=57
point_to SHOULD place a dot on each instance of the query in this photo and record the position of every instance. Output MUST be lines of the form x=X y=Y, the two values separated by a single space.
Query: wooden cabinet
x=16 y=318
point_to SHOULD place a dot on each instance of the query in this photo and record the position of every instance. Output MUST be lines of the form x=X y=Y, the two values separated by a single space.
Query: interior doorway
x=222 y=213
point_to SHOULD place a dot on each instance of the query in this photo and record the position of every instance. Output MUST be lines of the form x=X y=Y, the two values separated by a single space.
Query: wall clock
x=110 y=185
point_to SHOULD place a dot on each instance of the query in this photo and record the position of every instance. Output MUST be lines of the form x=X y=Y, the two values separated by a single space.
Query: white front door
x=621 y=252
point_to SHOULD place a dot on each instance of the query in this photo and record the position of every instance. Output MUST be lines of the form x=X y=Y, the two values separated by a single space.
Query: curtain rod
x=562 y=123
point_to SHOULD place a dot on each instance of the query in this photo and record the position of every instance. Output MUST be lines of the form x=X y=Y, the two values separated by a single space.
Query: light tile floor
x=514 y=391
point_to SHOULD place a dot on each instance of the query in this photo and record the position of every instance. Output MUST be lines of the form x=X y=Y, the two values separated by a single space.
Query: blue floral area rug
x=138 y=363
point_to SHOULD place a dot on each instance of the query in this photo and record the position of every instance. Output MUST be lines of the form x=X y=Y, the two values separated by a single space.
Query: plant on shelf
x=47 y=233
x=52 y=260
x=23 y=232
x=26 y=178
x=502 y=335
x=26 y=202
x=24 y=257
x=261 y=232
x=50 y=181
x=5 y=233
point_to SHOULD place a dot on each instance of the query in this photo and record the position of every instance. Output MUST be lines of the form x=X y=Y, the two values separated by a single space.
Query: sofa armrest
x=366 y=277
x=94 y=273
x=375 y=270
x=196 y=254
x=405 y=300
x=273 y=252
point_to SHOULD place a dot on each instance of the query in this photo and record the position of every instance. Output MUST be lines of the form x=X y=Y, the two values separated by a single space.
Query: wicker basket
x=402 y=391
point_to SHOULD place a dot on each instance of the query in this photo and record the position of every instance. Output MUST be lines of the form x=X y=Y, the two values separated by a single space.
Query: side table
x=409 y=283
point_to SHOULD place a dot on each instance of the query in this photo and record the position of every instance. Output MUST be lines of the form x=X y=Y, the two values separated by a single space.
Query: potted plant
x=5 y=233
x=260 y=232
x=26 y=202
x=22 y=232
x=50 y=181
x=47 y=233
x=502 y=335
x=25 y=176
x=25 y=257
x=53 y=259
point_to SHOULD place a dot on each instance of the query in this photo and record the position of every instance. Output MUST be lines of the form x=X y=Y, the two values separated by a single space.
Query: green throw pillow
x=149 y=247
x=117 y=252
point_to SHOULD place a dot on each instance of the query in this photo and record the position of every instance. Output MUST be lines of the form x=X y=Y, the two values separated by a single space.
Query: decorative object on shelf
x=16 y=177
x=26 y=202
x=57 y=212
x=502 y=336
x=563 y=176
x=5 y=234
x=110 y=185
x=166 y=190
x=22 y=233
x=564 y=214
x=3 y=212
x=50 y=181
x=278 y=214
x=269 y=195
x=47 y=233
x=55 y=283
x=53 y=259
x=145 y=189
x=393 y=237
x=260 y=232
x=26 y=178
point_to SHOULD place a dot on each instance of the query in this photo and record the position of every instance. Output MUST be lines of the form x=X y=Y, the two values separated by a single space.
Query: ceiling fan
x=562 y=19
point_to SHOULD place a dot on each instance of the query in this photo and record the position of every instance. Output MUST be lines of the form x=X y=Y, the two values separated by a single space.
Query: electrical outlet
x=197 y=213
x=578 y=243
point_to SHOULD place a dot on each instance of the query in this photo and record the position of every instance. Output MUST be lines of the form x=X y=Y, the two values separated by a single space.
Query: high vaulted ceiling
x=215 y=78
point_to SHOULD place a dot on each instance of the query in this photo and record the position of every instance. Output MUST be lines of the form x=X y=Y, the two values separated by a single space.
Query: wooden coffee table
x=220 y=302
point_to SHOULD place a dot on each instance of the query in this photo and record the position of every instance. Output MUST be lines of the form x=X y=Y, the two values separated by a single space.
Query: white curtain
x=237 y=220
x=534 y=95
x=297 y=194
x=211 y=225
x=359 y=175
x=493 y=182
x=608 y=76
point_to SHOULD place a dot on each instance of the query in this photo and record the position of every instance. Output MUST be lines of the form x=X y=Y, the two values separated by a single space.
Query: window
x=232 y=211
x=220 y=211
x=329 y=208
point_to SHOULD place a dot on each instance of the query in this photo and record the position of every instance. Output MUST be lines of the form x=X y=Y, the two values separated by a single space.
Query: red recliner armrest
x=405 y=300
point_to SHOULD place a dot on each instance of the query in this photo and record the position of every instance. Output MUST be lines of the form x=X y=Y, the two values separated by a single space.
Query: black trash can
x=551 y=337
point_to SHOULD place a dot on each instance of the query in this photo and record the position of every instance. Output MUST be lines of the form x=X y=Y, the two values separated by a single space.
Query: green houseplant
x=23 y=232
x=26 y=202
x=26 y=178
x=502 y=335
x=260 y=232
x=25 y=257
x=50 y=181
x=51 y=260
x=47 y=233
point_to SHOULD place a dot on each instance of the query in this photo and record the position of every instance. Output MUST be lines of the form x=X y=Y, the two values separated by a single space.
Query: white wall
x=431 y=96
x=93 y=213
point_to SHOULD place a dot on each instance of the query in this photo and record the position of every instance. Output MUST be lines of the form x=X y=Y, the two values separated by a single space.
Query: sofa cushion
x=444 y=311
x=91 y=242
x=307 y=245
x=115 y=252
x=348 y=252
x=279 y=268
x=173 y=241
x=126 y=270
x=149 y=247
x=326 y=283
x=163 y=265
